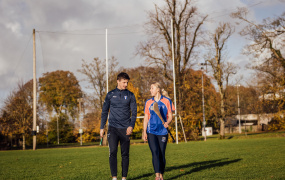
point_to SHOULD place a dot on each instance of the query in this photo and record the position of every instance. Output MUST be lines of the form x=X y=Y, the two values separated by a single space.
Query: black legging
x=114 y=136
x=157 y=145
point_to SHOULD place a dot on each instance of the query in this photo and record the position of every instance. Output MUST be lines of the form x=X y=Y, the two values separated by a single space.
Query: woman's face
x=154 y=90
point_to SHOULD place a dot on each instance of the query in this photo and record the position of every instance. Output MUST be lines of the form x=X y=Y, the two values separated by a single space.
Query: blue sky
x=75 y=19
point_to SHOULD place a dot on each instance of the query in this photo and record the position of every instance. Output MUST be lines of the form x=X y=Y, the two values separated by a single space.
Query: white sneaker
x=114 y=178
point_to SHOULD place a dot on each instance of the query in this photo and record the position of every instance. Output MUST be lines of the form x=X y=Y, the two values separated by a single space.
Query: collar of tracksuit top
x=123 y=109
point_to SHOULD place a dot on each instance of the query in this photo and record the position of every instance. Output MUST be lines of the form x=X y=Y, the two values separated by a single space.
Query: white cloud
x=58 y=50
x=15 y=27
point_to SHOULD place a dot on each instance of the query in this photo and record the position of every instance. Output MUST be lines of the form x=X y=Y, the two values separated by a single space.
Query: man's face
x=122 y=84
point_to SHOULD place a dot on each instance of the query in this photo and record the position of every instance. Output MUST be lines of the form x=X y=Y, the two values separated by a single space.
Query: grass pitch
x=238 y=157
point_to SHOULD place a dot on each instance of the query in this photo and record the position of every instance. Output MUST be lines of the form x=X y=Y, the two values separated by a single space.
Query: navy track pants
x=116 y=135
x=157 y=145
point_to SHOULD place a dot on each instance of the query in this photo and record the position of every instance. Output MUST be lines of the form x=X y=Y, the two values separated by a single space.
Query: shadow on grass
x=203 y=165
x=230 y=137
x=197 y=166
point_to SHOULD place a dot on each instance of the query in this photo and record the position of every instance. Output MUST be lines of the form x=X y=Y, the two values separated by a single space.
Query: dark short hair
x=123 y=75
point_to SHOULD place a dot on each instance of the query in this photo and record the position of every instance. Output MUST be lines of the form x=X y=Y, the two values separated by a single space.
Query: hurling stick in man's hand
x=157 y=112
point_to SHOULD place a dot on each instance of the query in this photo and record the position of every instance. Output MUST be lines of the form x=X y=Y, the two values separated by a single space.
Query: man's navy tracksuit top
x=123 y=109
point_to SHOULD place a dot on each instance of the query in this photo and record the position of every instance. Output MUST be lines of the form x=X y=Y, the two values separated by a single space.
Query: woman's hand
x=165 y=125
x=145 y=136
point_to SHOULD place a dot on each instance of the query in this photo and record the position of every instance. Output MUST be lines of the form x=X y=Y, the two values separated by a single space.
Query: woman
x=155 y=131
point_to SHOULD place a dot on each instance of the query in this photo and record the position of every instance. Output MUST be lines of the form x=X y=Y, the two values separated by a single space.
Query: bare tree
x=267 y=55
x=96 y=77
x=221 y=69
x=157 y=50
x=267 y=47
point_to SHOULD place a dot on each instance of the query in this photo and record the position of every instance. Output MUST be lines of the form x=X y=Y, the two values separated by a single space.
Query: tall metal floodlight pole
x=174 y=84
x=107 y=60
x=34 y=93
x=239 y=126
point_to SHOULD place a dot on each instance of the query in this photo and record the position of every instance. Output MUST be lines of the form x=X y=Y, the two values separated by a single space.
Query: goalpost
x=107 y=85
x=174 y=83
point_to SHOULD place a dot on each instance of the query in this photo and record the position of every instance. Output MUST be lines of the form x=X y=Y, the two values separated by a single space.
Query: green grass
x=248 y=135
x=255 y=156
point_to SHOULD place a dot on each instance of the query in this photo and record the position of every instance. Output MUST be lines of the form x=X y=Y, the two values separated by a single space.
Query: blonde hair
x=161 y=90
x=157 y=84
x=164 y=93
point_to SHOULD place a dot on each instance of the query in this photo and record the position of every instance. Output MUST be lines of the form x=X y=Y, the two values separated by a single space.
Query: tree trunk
x=24 y=141
x=222 y=128
x=223 y=114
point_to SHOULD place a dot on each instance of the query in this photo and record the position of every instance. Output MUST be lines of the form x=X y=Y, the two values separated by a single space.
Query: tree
x=192 y=116
x=187 y=38
x=278 y=121
x=17 y=113
x=95 y=73
x=140 y=110
x=221 y=69
x=142 y=77
x=60 y=89
x=91 y=126
x=248 y=97
x=65 y=129
x=267 y=53
x=267 y=38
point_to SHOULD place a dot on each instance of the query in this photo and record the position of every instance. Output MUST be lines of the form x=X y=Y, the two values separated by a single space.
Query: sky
x=68 y=31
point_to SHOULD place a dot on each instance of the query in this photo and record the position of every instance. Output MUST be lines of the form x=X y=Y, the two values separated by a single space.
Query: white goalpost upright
x=174 y=83
x=107 y=61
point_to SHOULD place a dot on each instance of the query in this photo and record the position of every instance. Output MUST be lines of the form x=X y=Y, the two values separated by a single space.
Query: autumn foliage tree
x=157 y=50
x=17 y=113
x=142 y=77
x=65 y=127
x=192 y=115
x=59 y=91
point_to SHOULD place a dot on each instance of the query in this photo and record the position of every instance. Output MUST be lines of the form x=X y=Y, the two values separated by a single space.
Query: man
x=122 y=117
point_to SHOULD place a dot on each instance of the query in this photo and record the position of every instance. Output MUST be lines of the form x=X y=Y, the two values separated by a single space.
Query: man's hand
x=129 y=130
x=101 y=133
